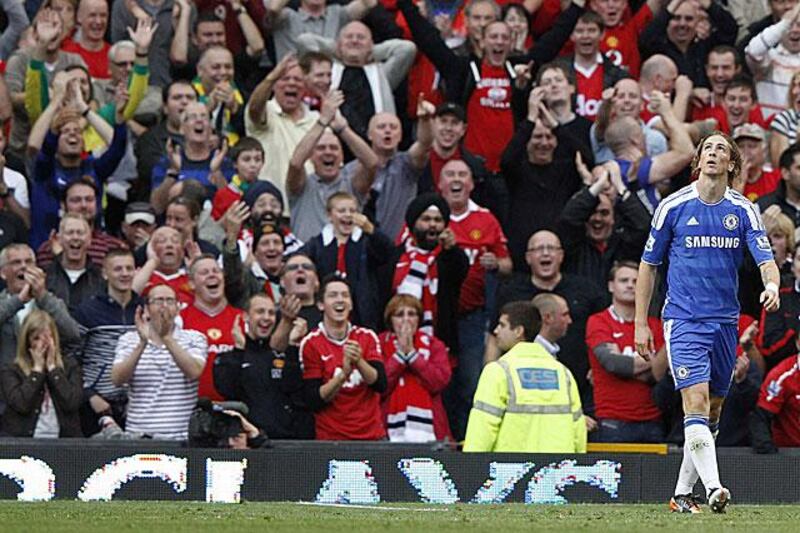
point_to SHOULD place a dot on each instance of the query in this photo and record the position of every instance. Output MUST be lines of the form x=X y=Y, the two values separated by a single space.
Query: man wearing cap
x=80 y=198
x=139 y=224
x=395 y=182
x=759 y=177
x=430 y=266
x=260 y=272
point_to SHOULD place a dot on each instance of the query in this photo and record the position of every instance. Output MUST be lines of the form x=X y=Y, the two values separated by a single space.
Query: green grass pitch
x=176 y=517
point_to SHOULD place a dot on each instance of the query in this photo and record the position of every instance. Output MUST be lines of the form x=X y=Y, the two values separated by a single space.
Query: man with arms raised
x=702 y=230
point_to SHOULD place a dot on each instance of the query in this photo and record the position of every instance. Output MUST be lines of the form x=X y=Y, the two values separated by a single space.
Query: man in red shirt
x=211 y=315
x=164 y=265
x=722 y=65
x=759 y=178
x=739 y=105
x=623 y=380
x=479 y=234
x=776 y=420
x=343 y=370
x=91 y=45
x=620 y=41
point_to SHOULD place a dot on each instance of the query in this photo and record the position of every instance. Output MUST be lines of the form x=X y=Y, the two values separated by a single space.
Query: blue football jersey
x=705 y=245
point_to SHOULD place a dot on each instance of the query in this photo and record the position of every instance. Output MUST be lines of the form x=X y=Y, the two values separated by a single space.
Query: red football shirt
x=491 y=122
x=780 y=395
x=477 y=231
x=179 y=283
x=223 y=199
x=755 y=116
x=589 y=89
x=766 y=184
x=621 y=44
x=615 y=397
x=355 y=412
x=96 y=61
x=218 y=330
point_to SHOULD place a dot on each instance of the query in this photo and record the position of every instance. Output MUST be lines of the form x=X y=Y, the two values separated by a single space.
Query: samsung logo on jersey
x=712 y=241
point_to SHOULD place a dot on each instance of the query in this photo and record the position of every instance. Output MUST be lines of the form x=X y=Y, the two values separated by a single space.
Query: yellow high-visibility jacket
x=526 y=401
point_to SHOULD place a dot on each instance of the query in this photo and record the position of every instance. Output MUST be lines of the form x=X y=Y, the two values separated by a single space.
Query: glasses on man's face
x=124 y=63
x=163 y=301
x=548 y=248
x=308 y=267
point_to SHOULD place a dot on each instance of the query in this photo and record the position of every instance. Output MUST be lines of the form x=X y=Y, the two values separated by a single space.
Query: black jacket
x=90 y=283
x=654 y=40
x=270 y=384
x=363 y=258
x=24 y=395
x=778 y=330
x=778 y=197
x=627 y=240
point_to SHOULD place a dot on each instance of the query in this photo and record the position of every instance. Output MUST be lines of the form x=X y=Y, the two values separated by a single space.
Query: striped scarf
x=417 y=275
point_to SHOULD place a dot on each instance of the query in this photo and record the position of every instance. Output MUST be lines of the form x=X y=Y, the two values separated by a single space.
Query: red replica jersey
x=218 y=330
x=615 y=397
x=621 y=44
x=491 y=123
x=766 y=184
x=96 y=61
x=589 y=88
x=355 y=412
x=223 y=199
x=780 y=395
x=179 y=283
x=755 y=116
x=477 y=232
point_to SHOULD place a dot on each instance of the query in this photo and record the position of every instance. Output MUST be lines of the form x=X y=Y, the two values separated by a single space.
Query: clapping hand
x=298 y=331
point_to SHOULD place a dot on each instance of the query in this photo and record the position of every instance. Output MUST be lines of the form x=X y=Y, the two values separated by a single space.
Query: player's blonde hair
x=736 y=156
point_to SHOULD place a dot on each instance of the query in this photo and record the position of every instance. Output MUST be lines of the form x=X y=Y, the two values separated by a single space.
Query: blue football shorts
x=701 y=352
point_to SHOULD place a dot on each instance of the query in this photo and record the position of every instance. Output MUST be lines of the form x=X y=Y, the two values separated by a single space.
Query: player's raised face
x=623 y=286
x=715 y=157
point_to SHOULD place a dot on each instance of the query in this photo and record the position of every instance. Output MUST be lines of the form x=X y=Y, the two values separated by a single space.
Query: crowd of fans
x=325 y=211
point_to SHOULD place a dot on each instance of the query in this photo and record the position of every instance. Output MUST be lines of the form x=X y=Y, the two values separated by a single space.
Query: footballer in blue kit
x=702 y=231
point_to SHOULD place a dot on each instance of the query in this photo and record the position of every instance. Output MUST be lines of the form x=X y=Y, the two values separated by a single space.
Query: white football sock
x=688 y=476
x=700 y=442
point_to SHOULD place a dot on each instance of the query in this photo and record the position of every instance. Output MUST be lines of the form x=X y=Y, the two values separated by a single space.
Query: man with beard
x=261 y=204
x=429 y=265
x=211 y=315
x=71 y=276
x=545 y=257
x=277 y=116
x=164 y=265
x=308 y=193
x=343 y=370
x=268 y=382
x=104 y=318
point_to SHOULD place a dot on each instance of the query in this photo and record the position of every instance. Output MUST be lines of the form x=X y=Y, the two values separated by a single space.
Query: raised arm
x=179 y=48
x=17 y=23
x=296 y=175
x=400 y=55
x=681 y=149
x=367 y=159
x=358 y=8
x=760 y=45
x=252 y=35
x=263 y=91
x=418 y=152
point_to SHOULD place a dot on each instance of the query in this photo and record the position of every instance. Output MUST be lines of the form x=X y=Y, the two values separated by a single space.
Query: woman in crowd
x=41 y=388
x=517 y=19
x=417 y=371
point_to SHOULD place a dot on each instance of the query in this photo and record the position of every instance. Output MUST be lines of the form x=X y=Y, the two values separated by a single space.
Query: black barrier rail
x=359 y=473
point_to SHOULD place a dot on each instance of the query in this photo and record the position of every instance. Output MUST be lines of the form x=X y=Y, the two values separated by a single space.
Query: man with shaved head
x=216 y=88
x=583 y=298
x=92 y=16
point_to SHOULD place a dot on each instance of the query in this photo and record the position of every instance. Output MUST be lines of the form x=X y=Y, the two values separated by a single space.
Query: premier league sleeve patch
x=538 y=378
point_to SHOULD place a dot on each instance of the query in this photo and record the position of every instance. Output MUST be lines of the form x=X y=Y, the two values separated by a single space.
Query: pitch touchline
x=371 y=507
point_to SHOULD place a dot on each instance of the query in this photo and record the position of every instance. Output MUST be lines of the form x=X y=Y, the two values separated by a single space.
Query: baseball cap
x=749 y=131
x=450 y=108
x=140 y=211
